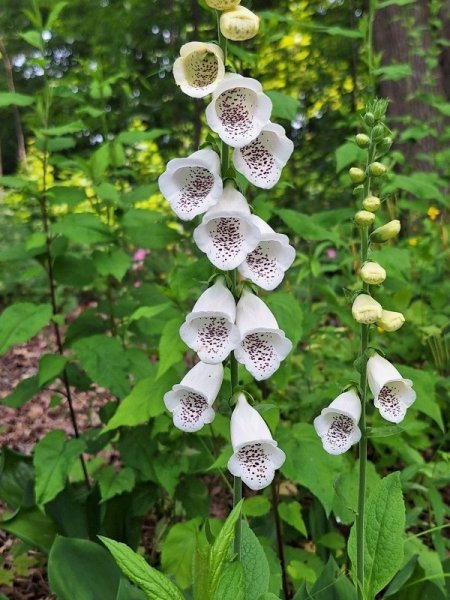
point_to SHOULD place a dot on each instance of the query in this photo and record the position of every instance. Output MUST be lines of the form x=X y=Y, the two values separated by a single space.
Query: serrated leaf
x=20 y=322
x=178 y=551
x=384 y=533
x=256 y=506
x=255 y=564
x=134 y=566
x=291 y=513
x=115 y=263
x=83 y=228
x=112 y=482
x=231 y=584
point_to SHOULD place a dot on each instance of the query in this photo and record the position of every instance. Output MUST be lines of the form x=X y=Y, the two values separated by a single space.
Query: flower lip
x=238 y=110
x=199 y=68
x=337 y=424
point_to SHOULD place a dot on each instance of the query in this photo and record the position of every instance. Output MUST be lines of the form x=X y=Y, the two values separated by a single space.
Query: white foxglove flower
x=263 y=159
x=239 y=24
x=263 y=344
x=209 y=329
x=337 y=425
x=256 y=456
x=227 y=232
x=268 y=262
x=390 y=320
x=222 y=4
x=238 y=110
x=392 y=394
x=191 y=400
x=366 y=309
x=192 y=185
x=199 y=68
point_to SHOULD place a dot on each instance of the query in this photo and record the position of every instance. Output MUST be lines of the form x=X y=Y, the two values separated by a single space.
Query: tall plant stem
x=280 y=547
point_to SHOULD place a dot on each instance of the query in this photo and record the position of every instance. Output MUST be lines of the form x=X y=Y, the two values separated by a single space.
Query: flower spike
x=255 y=453
x=192 y=185
x=209 y=329
x=337 y=425
x=263 y=344
x=191 y=400
x=227 y=232
x=268 y=262
x=263 y=159
x=392 y=393
x=238 y=110
x=199 y=68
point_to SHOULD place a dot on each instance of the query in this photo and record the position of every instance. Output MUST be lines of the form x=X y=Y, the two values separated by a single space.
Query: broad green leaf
x=255 y=564
x=115 y=263
x=50 y=366
x=8 y=98
x=32 y=526
x=256 y=506
x=171 y=346
x=348 y=154
x=308 y=464
x=419 y=184
x=137 y=137
x=283 y=105
x=231 y=583
x=147 y=229
x=82 y=569
x=107 y=191
x=83 y=228
x=105 y=361
x=331 y=584
x=26 y=389
x=402 y=577
x=134 y=566
x=424 y=382
x=178 y=549
x=53 y=456
x=71 y=196
x=305 y=226
x=33 y=38
x=220 y=547
x=385 y=527
x=16 y=479
x=73 y=127
x=20 y=322
x=428 y=559
x=394 y=72
x=15 y=182
x=54 y=14
x=291 y=513
x=74 y=271
x=112 y=482
x=148 y=312
x=288 y=313
x=200 y=566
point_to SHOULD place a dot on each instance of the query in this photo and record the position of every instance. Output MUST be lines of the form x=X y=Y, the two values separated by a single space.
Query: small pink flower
x=331 y=253
x=140 y=254
x=137 y=284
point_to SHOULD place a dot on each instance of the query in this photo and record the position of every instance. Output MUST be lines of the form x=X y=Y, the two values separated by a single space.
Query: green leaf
x=53 y=456
x=220 y=547
x=11 y=98
x=82 y=569
x=73 y=127
x=83 y=228
x=256 y=506
x=308 y=464
x=330 y=585
x=291 y=513
x=74 y=271
x=112 y=482
x=134 y=566
x=171 y=346
x=283 y=106
x=137 y=137
x=289 y=314
x=115 y=262
x=402 y=577
x=26 y=389
x=418 y=184
x=54 y=14
x=305 y=226
x=32 y=526
x=394 y=72
x=178 y=551
x=385 y=527
x=61 y=194
x=255 y=564
x=107 y=191
x=346 y=491
x=424 y=382
x=105 y=361
x=33 y=38
x=148 y=312
x=428 y=559
x=231 y=584
x=20 y=322
x=147 y=229
x=16 y=479
x=348 y=154
x=50 y=366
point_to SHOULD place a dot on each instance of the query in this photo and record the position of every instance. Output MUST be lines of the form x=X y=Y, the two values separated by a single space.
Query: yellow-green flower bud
x=239 y=24
x=357 y=175
x=366 y=309
x=379 y=108
x=369 y=119
x=222 y=4
x=390 y=320
x=378 y=132
x=364 y=218
x=385 y=144
x=372 y=273
x=376 y=169
x=362 y=140
x=386 y=232
x=371 y=203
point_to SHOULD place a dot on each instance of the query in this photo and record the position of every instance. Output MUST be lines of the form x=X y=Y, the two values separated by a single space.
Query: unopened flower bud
x=362 y=140
x=369 y=119
x=357 y=175
x=239 y=24
x=366 y=309
x=390 y=320
x=364 y=218
x=372 y=273
x=222 y=4
x=378 y=132
x=380 y=109
x=386 y=232
x=385 y=144
x=371 y=203
x=376 y=169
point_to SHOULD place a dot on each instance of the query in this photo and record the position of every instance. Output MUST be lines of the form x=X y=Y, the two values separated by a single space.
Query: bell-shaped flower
x=263 y=344
x=239 y=24
x=366 y=309
x=209 y=329
x=238 y=110
x=337 y=425
x=255 y=453
x=263 y=159
x=192 y=185
x=222 y=4
x=227 y=232
x=392 y=394
x=268 y=262
x=372 y=273
x=199 y=68
x=191 y=400
x=390 y=320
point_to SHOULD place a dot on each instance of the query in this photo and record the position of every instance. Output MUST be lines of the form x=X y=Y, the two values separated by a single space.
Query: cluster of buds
x=338 y=424
x=221 y=323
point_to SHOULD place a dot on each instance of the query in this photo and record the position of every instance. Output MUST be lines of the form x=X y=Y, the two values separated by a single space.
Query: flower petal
x=393 y=400
x=192 y=412
x=263 y=159
x=256 y=463
x=337 y=431
x=247 y=425
x=213 y=337
x=199 y=68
